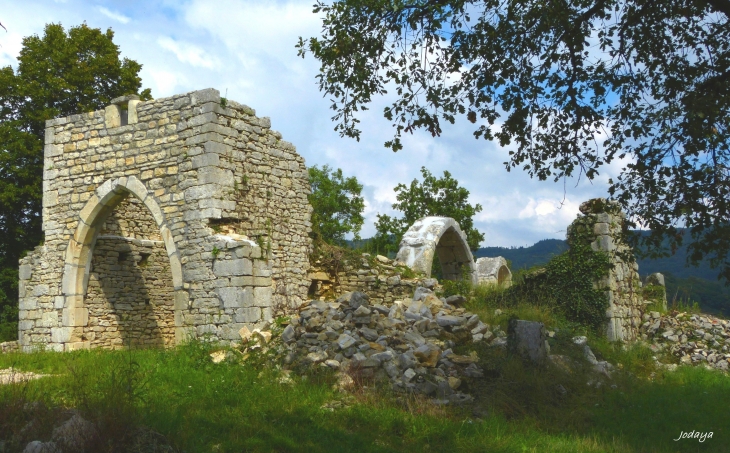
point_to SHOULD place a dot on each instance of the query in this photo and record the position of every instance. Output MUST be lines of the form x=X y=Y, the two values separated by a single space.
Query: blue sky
x=246 y=48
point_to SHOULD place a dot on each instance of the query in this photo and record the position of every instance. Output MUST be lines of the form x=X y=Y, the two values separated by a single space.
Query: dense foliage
x=58 y=74
x=574 y=85
x=432 y=197
x=566 y=284
x=337 y=205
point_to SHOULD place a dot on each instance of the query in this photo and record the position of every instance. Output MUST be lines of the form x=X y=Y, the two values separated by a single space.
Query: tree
x=337 y=204
x=574 y=84
x=432 y=197
x=59 y=74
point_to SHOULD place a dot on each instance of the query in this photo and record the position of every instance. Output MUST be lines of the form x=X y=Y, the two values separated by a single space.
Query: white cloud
x=188 y=53
x=247 y=47
x=119 y=17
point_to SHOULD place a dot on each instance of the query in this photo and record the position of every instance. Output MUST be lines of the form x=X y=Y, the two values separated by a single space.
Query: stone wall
x=378 y=277
x=228 y=243
x=602 y=222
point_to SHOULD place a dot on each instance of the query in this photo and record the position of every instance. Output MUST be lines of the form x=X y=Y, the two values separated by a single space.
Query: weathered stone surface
x=600 y=226
x=437 y=236
x=528 y=339
x=175 y=203
x=493 y=271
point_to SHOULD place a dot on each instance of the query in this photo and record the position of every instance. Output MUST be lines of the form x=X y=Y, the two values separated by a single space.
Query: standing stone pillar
x=604 y=222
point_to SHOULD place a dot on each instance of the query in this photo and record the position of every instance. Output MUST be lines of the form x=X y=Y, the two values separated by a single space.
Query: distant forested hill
x=526 y=257
x=684 y=284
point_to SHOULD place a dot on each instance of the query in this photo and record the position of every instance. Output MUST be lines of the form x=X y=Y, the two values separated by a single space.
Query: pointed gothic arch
x=437 y=236
x=80 y=249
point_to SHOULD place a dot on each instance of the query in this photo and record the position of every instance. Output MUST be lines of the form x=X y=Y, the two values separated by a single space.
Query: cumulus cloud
x=247 y=47
x=188 y=53
x=119 y=17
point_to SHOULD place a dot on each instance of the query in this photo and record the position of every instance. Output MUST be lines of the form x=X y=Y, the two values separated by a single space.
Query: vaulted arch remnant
x=437 y=236
x=494 y=271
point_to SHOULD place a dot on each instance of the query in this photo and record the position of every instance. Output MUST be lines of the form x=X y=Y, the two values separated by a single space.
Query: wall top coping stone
x=124 y=99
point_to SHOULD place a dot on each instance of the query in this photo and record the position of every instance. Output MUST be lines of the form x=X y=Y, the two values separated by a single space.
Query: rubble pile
x=694 y=338
x=408 y=343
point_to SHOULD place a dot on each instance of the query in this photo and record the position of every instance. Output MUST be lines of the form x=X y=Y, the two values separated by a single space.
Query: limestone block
x=235 y=297
x=154 y=208
x=182 y=299
x=75 y=317
x=50 y=198
x=50 y=135
x=206 y=160
x=132 y=117
x=206 y=95
x=216 y=175
x=28 y=303
x=201 y=192
x=136 y=187
x=263 y=296
x=112 y=116
x=49 y=319
x=91 y=210
x=248 y=315
x=24 y=272
x=241 y=266
x=61 y=334
x=528 y=339
x=176 y=270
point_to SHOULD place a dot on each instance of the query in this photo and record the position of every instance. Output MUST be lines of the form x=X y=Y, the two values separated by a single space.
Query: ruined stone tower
x=183 y=216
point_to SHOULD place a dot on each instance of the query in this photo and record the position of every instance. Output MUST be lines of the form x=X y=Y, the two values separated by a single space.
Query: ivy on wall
x=567 y=282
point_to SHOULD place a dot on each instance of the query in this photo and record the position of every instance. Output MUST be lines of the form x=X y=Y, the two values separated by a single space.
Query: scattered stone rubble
x=8 y=346
x=409 y=342
x=695 y=339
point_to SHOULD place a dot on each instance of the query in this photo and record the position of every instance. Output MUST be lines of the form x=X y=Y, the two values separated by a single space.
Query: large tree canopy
x=573 y=84
x=58 y=74
x=432 y=197
x=337 y=205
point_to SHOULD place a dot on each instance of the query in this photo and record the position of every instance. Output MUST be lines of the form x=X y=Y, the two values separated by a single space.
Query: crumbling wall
x=227 y=245
x=603 y=225
x=378 y=277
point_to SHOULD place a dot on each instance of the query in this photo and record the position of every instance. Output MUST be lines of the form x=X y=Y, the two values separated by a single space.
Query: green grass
x=199 y=406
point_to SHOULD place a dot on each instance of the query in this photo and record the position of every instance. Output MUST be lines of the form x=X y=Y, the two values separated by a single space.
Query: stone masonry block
x=24 y=272
x=136 y=187
x=112 y=116
x=182 y=299
x=250 y=315
x=49 y=319
x=236 y=297
x=206 y=160
x=241 y=266
x=263 y=296
x=206 y=95
x=75 y=317
x=202 y=191
x=61 y=334
x=28 y=303
x=215 y=175
x=41 y=290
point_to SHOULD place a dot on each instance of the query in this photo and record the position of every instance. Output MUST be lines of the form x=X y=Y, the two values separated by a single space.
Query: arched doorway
x=122 y=271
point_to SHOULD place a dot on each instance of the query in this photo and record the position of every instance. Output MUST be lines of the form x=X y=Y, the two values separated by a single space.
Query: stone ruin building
x=180 y=217
x=188 y=217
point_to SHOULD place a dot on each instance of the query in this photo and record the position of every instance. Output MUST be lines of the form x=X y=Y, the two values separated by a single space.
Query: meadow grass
x=239 y=406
